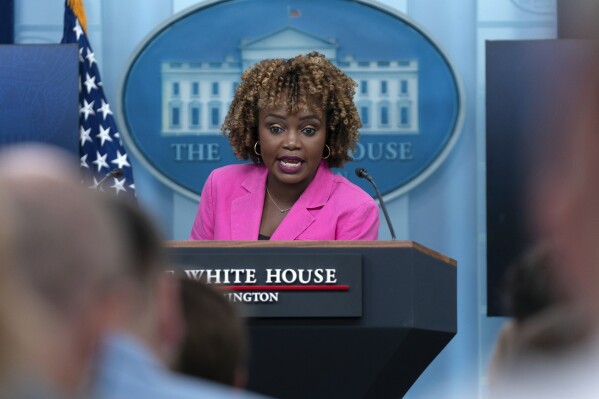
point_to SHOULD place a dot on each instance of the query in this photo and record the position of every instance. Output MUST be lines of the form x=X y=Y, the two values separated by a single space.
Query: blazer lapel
x=246 y=211
x=305 y=210
x=294 y=224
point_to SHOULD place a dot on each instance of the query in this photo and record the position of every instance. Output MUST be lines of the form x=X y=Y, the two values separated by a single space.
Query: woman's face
x=291 y=145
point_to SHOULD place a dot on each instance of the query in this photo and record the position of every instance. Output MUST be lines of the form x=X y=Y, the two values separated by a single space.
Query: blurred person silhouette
x=565 y=189
x=147 y=334
x=215 y=343
x=81 y=266
x=565 y=214
x=60 y=259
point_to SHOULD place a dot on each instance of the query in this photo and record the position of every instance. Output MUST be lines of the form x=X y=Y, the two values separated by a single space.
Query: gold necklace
x=273 y=201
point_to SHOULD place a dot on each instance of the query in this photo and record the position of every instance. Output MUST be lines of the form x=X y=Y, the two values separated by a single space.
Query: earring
x=329 y=154
x=256 y=149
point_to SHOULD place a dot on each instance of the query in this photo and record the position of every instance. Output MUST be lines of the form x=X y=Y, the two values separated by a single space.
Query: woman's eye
x=309 y=131
x=276 y=129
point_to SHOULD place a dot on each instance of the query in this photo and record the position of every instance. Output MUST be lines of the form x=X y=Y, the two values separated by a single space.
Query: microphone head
x=361 y=172
x=118 y=172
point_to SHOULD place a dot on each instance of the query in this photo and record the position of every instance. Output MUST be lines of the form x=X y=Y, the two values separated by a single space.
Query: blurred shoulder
x=184 y=387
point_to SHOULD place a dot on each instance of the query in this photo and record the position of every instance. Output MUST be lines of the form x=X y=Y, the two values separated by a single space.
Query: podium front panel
x=409 y=314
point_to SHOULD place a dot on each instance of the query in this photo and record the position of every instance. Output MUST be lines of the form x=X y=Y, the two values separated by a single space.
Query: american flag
x=100 y=146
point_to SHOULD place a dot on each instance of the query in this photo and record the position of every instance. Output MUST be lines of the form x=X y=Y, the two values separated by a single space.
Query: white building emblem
x=197 y=95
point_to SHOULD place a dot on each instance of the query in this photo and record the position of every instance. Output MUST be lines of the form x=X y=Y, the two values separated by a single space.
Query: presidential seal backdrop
x=180 y=82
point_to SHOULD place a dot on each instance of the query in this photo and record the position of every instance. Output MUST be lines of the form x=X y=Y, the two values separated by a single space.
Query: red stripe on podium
x=284 y=287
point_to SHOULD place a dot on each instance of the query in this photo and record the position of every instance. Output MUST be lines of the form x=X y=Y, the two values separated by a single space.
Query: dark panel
x=7 y=21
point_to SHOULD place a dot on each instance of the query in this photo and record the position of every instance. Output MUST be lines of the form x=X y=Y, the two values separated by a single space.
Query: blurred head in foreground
x=147 y=333
x=63 y=259
x=150 y=308
x=543 y=324
x=214 y=347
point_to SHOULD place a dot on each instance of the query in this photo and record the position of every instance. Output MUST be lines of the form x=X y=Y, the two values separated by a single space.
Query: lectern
x=332 y=319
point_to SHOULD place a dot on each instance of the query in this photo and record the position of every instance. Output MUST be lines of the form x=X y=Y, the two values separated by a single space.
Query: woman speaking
x=295 y=119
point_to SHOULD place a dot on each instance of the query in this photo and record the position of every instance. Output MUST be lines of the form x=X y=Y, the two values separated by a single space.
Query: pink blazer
x=331 y=208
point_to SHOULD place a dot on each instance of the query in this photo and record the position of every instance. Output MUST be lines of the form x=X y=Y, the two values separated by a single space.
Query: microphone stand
x=363 y=174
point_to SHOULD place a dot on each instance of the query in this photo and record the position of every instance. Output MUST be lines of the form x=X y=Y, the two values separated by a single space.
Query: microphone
x=363 y=174
x=116 y=172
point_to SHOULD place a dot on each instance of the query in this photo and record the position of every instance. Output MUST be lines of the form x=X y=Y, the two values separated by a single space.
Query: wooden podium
x=405 y=314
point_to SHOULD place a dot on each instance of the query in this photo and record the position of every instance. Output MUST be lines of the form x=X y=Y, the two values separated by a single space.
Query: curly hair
x=304 y=82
